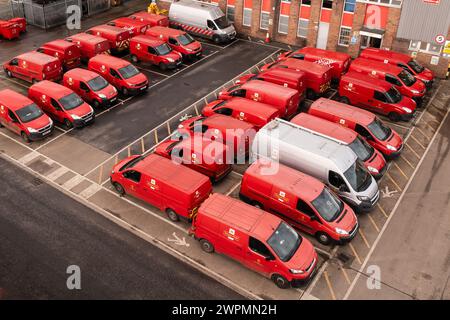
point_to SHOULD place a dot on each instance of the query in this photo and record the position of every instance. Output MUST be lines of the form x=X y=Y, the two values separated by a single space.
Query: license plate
x=198 y=53
x=88 y=119
x=143 y=88
x=112 y=100
x=46 y=132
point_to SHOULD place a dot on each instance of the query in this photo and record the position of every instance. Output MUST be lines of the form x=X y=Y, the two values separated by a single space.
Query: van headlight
x=102 y=96
x=188 y=50
x=363 y=198
x=340 y=231
x=372 y=169
x=296 y=271
x=170 y=60
x=392 y=148
x=415 y=91
x=32 y=130
x=407 y=110
x=75 y=117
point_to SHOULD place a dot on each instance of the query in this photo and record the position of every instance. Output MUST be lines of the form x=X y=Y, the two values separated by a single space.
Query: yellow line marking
x=406 y=160
x=364 y=238
x=401 y=171
x=327 y=279
x=423 y=133
x=373 y=223
x=142 y=145
x=156 y=137
x=345 y=275
x=354 y=252
x=382 y=210
x=418 y=142
x=129 y=151
x=168 y=128
x=395 y=183
x=434 y=129
x=410 y=148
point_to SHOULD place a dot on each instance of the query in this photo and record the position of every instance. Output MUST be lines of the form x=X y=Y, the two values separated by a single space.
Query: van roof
x=37 y=58
x=203 y=6
x=340 y=56
x=269 y=88
x=167 y=31
x=284 y=73
x=240 y=215
x=148 y=40
x=59 y=43
x=109 y=29
x=130 y=21
x=53 y=89
x=13 y=100
x=247 y=105
x=147 y=15
x=286 y=132
x=325 y=127
x=305 y=66
x=386 y=54
x=343 y=110
x=177 y=175
x=379 y=66
x=110 y=60
x=87 y=38
x=365 y=81
x=81 y=74
x=222 y=121
x=287 y=179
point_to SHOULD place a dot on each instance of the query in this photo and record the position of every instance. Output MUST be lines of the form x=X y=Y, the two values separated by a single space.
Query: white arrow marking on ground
x=386 y=193
x=178 y=241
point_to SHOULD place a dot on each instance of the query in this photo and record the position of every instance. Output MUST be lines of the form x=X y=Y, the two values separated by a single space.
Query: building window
x=327 y=4
x=264 y=23
x=283 y=25
x=306 y=2
x=425 y=47
x=344 y=36
x=247 y=18
x=230 y=13
x=414 y=45
x=393 y=3
x=349 y=5
x=302 y=30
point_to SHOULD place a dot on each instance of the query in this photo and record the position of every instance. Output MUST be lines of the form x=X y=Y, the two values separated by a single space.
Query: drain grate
x=345 y=259
x=37 y=182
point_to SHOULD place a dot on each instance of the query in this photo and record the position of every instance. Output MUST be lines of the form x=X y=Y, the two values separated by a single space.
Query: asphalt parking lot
x=78 y=161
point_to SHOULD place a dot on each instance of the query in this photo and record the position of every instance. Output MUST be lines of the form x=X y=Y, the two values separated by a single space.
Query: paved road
x=414 y=252
x=42 y=232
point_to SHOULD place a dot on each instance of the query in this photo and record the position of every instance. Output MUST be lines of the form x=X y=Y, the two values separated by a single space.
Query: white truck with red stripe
x=201 y=19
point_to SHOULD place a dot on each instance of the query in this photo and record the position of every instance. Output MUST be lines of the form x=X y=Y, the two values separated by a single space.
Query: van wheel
x=134 y=58
x=258 y=205
x=344 y=100
x=310 y=94
x=120 y=190
x=125 y=91
x=280 y=281
x=162 y=66
x=68 y=124
x=172 y=215
x=25 y=137
x=9 y=74
x=206 y=246
x=216 y=39
x=323 y=238
x=393 y=116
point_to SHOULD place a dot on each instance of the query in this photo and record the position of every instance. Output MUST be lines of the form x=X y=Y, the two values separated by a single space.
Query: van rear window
x=284 y=241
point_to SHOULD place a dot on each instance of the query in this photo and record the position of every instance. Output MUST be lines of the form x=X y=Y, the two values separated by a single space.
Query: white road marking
x=29 y=156
x=90 y=191
x=57 y=173
x=74 y=181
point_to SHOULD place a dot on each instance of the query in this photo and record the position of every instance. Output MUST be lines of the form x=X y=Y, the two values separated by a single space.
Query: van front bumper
x=346 y=239
x=395 y=154
x=84 y=121
x=136 y=91
x=37 y=136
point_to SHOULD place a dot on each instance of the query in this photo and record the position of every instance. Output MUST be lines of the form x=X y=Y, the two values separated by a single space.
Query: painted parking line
x=352 y=248
x=402 y=156
x=418 y=142
x=400 y=170
x=393 y=181
x=16 y=82
x=152 y=71
x=330 y=287
x=372 y=221
x=363 y=236
x=413 y=151
x=382 y=210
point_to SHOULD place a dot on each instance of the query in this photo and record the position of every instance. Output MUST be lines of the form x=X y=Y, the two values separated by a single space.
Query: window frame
x=341 y=37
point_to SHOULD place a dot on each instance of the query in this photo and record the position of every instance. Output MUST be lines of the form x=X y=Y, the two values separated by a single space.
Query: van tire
x=68 y=124
x=310 y=94
x=125 y=91
x=173 y=216
x=96 y=104
x=206 y=246
x=134 y=58
x=280 y=281
x=258 y=205
x=120 y=190
x=323 y=238
x=25 y=137
x=393 y=116
x=344 y=100
x=9 y=74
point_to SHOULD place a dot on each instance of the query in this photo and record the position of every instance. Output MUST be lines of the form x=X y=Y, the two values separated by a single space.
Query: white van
x=201 y=19
x=327 y=160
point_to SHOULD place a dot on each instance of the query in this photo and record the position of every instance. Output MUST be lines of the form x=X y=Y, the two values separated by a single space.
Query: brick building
x=348 y=25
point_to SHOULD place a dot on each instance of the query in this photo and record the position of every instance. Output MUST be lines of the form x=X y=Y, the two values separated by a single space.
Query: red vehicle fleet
x=68 y=53
x=118 y=38
x=154 y=51
x=89 y=45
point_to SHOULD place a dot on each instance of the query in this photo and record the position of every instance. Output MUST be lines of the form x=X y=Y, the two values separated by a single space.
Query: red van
x=202 y=155
x=256 y=113
x=400 y=60
x=339 y=62
x=372 y=158
x=405 y=82
x=317 y=77
x=283 y=77
x=9 y=30
x=236 y=134
x=34 y=66
x=91 y=87
x=120 y=73
x=68 y=53
x=136 y=27
x=286 y=100
x=118 y=38
x=154 y=51
x=61 y=104
x=89 y=45
x=174 y=189
x=301 y=200
x=365 y=123
x=151 y=18
x=179 y=40
x=23 y=117
x=21 y=23
x=375 y=95
x=259 y=240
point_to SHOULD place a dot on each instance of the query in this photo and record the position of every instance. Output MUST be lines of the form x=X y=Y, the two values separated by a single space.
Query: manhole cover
x=37 y=182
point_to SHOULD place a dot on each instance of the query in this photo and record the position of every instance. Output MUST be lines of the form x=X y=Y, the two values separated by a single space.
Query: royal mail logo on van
x=2 y=109
x=70 y=81
x=325 y=62
x=24 y=64
x=103 y=68
x=152 y=184
x=138 y=46
x=342 y=121
x=44 y=98
x=197 y=194
x=374 y=73
x=255 y=96
x=285 y=85
x=194 y=158
x=386 y=61
x=241 y=116
x=281 y=196
x=231 y=234
x=349 y=87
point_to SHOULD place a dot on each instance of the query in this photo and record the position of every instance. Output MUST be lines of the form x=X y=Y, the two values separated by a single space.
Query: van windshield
x=163 y=49
x=415 y=66
x=284 y=241
x=379 y=130
x=407 y=78
x=393 y=95
x=97 y=83
x=328 y=205
x=361 y=148
x=29 y=113
x=132 y=163
x=358 y=177
x=185 y=39
x=71 y=101
x=128 y=71
x=222 y=22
